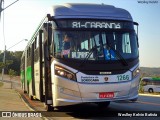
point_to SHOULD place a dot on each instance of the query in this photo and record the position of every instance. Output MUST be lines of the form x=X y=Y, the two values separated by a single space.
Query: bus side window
x=144 y=83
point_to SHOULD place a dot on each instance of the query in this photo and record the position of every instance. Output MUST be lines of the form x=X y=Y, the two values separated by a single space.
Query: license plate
x=106 y=95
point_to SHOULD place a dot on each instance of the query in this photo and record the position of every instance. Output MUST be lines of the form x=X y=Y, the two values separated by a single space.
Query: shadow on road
x=81 y=111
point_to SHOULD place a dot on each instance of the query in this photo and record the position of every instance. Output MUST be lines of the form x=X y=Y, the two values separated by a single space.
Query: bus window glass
x=81 y=43
x=37 y=43
x=58 y=44
x=126 y=43
x=84 y=45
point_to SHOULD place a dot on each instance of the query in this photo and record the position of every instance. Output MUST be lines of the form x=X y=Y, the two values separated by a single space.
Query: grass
x=1 y=84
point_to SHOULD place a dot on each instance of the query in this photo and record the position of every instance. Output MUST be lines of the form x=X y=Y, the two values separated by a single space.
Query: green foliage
x=6 y=64
x=13 y=60
x=11 y=73
x=2 y=65
x=141 y=90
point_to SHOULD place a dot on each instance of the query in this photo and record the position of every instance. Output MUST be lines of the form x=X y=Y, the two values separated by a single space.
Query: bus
x=82 y=53
x=151 y=84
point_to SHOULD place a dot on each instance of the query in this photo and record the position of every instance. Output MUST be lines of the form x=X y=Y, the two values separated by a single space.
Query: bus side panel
x=22 y=69
x=47 y=63
x=37 y=68
x=25 y=69
x=41 y=64
x=32 y=72
x=157 y=88
x=37 y=79
x=29 y=72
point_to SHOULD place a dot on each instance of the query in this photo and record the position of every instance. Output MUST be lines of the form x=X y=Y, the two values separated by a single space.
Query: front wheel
x=150 y=90
x=134 y=100
x=49 y=108
x=103 y=105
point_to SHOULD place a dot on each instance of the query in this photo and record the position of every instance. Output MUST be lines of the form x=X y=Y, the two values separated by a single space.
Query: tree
x=11 y=73
x=13 y=60
x=6 y=64
x=2 y=65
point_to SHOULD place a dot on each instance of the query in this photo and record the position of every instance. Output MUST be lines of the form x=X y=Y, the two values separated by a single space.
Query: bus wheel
x=103 y=105
x=134 y=100
x=150 y=90
x=31 y=97
x=25 y=91
x=49 y=108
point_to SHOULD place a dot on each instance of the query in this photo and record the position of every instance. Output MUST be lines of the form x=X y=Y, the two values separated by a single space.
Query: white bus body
x=101 y=65
x=150 y=85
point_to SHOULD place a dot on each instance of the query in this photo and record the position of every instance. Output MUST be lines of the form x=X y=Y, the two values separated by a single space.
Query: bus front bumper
x=67 y=92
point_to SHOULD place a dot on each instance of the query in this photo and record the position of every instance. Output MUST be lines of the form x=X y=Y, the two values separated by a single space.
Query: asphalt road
x=146 y=107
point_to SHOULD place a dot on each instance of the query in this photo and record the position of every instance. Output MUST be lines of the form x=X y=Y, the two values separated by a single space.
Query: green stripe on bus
x=156 y=78
x=22 y=76
x=29 y=74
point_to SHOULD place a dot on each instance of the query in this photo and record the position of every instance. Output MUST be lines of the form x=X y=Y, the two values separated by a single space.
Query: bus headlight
x=63 y=72
x=135 y=72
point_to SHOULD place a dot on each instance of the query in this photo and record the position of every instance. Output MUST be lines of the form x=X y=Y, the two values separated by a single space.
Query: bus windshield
x=78 y=44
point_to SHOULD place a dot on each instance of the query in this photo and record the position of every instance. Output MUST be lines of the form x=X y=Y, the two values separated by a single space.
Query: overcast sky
x=22 y=19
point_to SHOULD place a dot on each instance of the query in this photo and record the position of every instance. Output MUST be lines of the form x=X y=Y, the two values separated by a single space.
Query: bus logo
x=106 y=79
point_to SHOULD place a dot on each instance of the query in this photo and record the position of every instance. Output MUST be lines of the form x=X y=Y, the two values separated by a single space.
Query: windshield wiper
x=88 y=55
x=122 y=60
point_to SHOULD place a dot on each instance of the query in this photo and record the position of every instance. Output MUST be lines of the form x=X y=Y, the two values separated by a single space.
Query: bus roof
x=86 y=11
x=151 y=78
x=156 y=78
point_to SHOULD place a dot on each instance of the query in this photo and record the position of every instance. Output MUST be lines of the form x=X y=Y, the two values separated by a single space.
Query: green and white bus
x=151 y=84
x=101 y=65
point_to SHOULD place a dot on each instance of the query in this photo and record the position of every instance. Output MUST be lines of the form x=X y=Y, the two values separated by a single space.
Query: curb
x=142 y=94
x=28 y=104
x=25 y=101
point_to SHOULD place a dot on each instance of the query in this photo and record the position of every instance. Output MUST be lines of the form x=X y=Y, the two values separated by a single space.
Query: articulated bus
x=151 y=84
x=82 y=53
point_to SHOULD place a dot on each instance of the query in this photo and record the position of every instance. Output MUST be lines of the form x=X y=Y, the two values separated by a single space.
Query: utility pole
x=2 y=9
x=4 y=61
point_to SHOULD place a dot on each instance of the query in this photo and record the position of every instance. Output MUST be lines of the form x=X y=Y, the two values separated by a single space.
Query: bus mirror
x=137 y=41
x=49 y=17
x=135 y=23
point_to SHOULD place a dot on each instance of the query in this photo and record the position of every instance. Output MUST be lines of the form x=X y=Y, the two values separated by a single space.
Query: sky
x=22 y=18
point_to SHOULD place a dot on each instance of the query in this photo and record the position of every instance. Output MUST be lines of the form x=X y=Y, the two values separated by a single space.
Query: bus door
x=47 y=63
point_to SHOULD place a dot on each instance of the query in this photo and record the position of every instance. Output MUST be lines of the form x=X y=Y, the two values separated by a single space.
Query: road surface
x=146 y=107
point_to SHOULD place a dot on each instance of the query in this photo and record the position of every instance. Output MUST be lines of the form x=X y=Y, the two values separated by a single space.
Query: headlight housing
x=136 y=72
x=63 y=72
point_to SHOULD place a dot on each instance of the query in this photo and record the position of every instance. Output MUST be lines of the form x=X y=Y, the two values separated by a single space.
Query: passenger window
x=126 y=46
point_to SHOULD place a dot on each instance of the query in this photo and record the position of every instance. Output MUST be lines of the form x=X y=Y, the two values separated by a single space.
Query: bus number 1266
x=123 y=77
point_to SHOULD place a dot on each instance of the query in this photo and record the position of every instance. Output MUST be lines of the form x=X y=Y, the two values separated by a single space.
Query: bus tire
x=150 y=90
x=103 y=105
x=134 y=100
x=31 y=97
x=49 y=108
x=25 y=92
